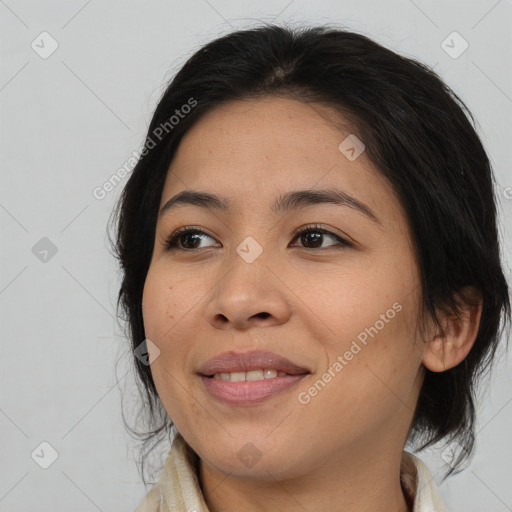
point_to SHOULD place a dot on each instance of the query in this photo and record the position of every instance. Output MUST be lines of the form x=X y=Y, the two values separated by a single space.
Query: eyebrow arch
x=287 y=202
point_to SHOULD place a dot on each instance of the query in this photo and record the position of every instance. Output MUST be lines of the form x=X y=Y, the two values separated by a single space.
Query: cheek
x=166 y=303
x=365 y=389
x=160 y=314
x=372 y=358
x=169 y=314
x=360 y=303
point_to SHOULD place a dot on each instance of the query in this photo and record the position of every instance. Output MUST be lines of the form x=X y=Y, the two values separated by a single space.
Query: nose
x=248 y=294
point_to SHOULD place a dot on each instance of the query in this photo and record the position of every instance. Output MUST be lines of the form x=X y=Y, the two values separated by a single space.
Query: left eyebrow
x=287 y=202
x=303 y=198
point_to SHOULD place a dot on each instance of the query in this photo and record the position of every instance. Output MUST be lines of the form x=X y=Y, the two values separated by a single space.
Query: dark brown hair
x=418 y=134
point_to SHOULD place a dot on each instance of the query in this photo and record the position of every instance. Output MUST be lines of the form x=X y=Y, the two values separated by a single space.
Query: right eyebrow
x=196 y=198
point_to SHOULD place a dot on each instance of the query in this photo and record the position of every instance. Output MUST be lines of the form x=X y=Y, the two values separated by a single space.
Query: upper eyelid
x=313 y=227
x=189 y=229
x=185 y=229
x=298 y=231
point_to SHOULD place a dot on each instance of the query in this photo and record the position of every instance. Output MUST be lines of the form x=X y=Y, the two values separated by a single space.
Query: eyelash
x=171 y=243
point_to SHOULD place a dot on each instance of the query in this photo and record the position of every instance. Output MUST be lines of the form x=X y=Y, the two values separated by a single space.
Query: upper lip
x=229 y=362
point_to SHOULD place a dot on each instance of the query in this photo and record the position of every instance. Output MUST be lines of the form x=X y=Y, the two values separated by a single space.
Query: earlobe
x=446 y=350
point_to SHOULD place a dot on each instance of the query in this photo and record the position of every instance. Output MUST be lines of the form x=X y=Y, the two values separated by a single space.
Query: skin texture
x=341 y=450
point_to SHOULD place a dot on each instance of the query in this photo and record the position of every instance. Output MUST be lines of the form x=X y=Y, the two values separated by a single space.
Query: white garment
x=178 y=488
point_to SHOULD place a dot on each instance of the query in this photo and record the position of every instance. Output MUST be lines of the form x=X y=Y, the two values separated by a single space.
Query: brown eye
x=314 y=237
x=186 y=239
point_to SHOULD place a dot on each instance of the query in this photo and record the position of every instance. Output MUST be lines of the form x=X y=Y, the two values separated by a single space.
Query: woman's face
x=340 y=302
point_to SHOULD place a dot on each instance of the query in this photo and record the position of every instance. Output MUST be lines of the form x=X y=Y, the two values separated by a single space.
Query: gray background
x=69 y=121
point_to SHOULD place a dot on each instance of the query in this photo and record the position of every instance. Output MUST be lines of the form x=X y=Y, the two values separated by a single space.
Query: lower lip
x=248 y=392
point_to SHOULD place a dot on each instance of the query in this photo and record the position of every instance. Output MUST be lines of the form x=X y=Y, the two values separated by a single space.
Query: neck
x=354 y=482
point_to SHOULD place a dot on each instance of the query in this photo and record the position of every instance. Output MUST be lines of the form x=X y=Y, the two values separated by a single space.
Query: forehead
x=254 y=150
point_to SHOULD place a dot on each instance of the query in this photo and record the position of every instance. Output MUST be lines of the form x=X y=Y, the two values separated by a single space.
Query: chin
x=265 y=469
x=257 y=459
